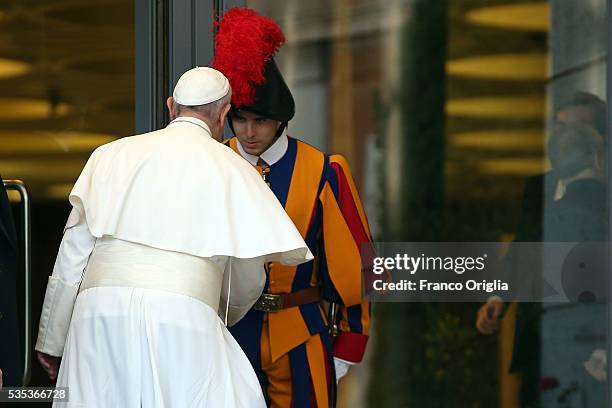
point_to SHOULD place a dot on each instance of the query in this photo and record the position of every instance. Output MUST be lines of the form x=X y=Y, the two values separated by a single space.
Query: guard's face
x=256 y=133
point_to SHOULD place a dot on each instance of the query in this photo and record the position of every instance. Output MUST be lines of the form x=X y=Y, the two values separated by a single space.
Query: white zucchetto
x=200 y=86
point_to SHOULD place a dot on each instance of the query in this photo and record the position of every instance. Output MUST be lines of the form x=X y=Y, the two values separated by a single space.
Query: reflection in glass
x=447 y=112
x=67 y=74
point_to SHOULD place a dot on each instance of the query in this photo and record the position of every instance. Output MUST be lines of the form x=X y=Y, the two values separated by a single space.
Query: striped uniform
x=291 y=349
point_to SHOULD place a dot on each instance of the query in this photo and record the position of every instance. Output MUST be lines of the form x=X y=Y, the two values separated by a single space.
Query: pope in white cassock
x=167 y=241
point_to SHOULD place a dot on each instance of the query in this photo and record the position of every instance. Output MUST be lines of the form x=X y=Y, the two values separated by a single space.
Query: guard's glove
x=342 y=368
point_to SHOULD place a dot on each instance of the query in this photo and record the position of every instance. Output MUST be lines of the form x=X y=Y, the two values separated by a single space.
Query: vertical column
x=414 y=134
x=150 y=54
x=190 y=36
x=341 y=133
x=579 y=43
x=413 y=200
x=578 y=47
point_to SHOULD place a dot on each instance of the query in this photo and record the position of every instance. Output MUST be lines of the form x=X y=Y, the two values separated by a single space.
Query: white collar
x=273 y=154
x=190 y=119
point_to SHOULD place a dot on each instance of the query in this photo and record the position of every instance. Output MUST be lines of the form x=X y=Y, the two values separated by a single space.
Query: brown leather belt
x=272 y=303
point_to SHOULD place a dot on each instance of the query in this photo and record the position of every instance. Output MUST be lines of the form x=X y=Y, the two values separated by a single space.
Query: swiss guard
x=311 y=323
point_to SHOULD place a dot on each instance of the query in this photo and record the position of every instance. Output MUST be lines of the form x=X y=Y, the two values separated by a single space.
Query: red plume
x=244 y=43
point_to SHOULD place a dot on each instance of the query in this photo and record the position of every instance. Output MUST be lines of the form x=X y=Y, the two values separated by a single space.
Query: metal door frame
x=19 y=186
x=171 y=36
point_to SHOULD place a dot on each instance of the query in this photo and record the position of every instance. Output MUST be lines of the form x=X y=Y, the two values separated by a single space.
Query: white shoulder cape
x=178 y=189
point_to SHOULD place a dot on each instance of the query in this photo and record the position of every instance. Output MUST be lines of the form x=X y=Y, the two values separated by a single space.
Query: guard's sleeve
x=345 y=233
x=62 y=288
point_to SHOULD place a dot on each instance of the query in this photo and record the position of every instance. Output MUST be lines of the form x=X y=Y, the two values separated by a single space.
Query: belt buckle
x=269 y=303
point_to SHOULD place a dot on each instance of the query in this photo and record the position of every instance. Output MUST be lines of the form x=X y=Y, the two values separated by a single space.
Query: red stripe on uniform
x=348 y=207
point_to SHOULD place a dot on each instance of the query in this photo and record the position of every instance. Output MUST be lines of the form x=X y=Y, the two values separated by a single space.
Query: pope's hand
x=49 y=363
x=487 y=320
x=342 y=368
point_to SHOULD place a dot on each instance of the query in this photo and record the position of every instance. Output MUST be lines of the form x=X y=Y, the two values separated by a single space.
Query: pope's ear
x=224 y=113
x=170 y=105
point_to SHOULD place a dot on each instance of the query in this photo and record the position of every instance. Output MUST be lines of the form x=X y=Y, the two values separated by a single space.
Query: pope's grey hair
x=210 y=111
